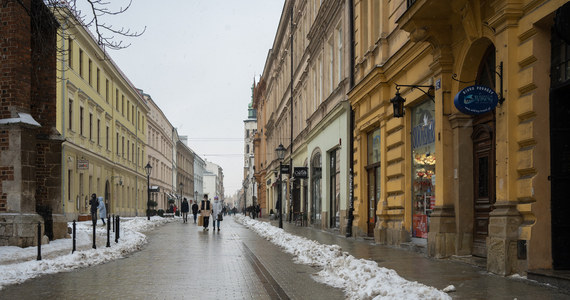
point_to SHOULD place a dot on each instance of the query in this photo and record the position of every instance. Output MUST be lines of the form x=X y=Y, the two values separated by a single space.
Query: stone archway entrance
x=483 y=138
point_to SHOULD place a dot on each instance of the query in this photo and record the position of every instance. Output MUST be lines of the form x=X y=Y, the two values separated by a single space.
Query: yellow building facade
x=480 y=185
x=102 y=118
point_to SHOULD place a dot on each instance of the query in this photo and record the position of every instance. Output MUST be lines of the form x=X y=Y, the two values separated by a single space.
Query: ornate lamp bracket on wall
x=499 y=73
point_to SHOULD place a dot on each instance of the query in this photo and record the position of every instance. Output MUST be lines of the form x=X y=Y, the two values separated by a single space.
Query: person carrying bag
x=205 y=211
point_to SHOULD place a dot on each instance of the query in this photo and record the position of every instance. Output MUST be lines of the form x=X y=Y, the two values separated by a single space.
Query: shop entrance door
x=484 y=180
x=559 y=176
x=373 y=195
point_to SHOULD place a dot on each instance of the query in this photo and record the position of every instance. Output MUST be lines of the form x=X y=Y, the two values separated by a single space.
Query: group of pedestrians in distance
x=207 y=210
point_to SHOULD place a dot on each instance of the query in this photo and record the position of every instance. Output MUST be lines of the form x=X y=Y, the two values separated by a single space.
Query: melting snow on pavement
x=359 y=278
x=17 y=264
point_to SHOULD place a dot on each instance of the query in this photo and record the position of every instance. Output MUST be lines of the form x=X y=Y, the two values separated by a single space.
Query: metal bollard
x=113 y=223
x=73 y=250
x=108 y=232
x=39 y=241
x=94 y=230
x=117 y=229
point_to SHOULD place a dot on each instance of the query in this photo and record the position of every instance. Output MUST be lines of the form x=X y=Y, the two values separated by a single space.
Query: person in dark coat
x=94 y=203
x=206 y=211
x=195 y=210
x=185 y=208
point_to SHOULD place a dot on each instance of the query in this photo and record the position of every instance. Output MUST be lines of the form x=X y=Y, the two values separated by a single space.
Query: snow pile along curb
x=359 y=278
x=130 y=240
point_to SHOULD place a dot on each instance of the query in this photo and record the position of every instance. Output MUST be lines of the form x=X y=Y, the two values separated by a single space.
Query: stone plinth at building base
x=442 y=234
x=19 y=229
x=391 y=233
x=504 y=223
x=60 y=227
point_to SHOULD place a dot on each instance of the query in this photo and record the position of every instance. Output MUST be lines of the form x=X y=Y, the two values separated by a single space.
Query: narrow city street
x=181 y=261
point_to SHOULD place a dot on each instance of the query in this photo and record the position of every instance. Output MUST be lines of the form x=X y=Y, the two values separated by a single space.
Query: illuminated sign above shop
x=476 y=100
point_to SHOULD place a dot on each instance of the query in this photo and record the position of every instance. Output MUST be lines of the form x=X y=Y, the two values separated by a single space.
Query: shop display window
x=423 y=167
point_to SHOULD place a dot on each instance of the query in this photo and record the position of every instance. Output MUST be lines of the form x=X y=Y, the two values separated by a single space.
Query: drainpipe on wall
x=351 y=121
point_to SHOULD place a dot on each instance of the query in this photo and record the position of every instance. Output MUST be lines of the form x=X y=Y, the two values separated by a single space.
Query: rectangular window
x=321 y=80
x=70 y=126
x=90 y=126
x=107 y=90
x=339 y=56
x=123 y=147
x=70 y=53
x=423 y=167
x=123 y=105
x=69 y=185
x=97 y=81
x=117 y=143
x=128 y=150
x=107 y=137
x=128 y=110
x=117 y=99
x=98 y=132
x=331 y=66
x=89 y=66
x=81 y=63
x=81 y=120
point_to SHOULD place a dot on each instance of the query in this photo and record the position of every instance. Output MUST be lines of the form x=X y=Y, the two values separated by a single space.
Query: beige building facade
x=103 y=120
x=160 y=151
x=303 y=97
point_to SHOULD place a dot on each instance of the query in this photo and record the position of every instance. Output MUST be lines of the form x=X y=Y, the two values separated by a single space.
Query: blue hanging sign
x=476 y=99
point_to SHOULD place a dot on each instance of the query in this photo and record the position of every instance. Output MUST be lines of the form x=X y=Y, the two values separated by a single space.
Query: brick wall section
x=15 y=69
x=43 y=108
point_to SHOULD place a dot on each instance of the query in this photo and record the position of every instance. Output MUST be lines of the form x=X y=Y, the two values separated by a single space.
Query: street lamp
x=148 y=168
x=280 y=155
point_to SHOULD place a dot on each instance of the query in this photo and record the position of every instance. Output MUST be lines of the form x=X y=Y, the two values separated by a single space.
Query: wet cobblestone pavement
x=181 y=261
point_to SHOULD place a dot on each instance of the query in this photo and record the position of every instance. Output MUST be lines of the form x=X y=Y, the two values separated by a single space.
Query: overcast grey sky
x=197 y=60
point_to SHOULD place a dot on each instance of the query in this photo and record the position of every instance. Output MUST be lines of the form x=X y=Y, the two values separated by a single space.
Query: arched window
x=316 y=174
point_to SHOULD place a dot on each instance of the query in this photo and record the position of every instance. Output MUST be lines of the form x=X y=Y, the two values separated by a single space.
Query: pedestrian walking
x=217 y=211
x=195 y=210
x=93 y=202
x=102 y=210
x=205 y=211
x=185 y=208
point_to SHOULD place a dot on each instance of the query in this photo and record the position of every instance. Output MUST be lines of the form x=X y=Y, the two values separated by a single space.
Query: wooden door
x=560 y=176
x=373 y=195
x=484 y=185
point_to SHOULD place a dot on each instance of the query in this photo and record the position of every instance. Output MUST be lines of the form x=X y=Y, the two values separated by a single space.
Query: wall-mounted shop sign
x=82 y=164
x=300 y=172
x=285 y=169
x=476 y=99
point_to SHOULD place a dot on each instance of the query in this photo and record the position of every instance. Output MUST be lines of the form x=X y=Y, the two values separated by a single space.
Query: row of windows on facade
x=124 y=199
x=130 y=108
x=334 y=74
x=129 y=154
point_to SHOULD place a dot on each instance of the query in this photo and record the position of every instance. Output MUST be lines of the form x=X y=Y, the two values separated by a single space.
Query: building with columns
x=482 y=183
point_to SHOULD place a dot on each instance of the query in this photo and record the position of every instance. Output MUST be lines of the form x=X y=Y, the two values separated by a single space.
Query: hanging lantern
x=398 y=103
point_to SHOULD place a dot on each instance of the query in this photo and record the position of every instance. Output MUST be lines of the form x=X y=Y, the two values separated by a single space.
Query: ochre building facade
x=486 y=185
